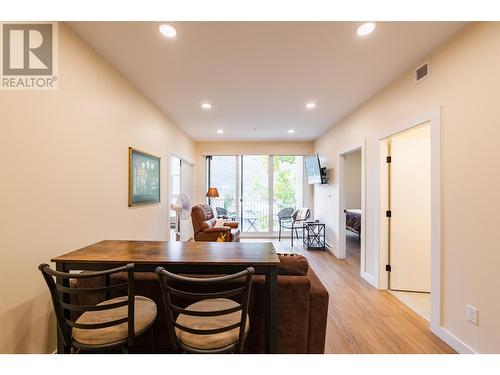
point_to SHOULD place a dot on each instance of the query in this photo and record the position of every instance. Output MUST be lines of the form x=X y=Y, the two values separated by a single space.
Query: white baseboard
x=369 y=278
x=453 y=341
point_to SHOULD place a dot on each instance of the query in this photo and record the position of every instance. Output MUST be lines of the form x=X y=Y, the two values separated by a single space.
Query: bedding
x=353 y=220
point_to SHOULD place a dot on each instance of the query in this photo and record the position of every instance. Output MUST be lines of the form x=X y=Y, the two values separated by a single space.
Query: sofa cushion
x=293 y=264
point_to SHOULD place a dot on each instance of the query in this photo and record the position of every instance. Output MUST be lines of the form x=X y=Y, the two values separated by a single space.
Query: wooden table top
x=189 y=253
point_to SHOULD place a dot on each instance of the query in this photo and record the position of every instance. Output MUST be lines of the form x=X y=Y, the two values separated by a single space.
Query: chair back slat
x=96 y=290
x=191 y=295
x=207 y=331
x=173 y=310
x=180 y=310
x=66 y=311
x=100 y=307
x=110 y=323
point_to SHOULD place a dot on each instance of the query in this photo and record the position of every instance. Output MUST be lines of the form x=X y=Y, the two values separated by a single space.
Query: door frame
x=183 y=161
x=171 y=184
x=433 y=117
x=239 y=188
x=340 y=250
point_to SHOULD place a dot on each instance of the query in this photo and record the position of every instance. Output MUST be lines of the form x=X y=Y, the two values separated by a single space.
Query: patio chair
x=222 y=213
x=284 y=217
x=299 y=217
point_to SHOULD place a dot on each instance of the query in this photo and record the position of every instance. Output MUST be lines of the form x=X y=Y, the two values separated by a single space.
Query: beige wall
x=464 y=82
x=64 y=180
x=245 y=148
x=352 y=177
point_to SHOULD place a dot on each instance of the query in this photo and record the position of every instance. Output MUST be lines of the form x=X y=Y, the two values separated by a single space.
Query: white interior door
x=186 y=226
x=410 y=205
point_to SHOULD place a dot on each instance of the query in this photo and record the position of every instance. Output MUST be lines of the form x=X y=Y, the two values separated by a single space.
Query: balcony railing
x=253 y=214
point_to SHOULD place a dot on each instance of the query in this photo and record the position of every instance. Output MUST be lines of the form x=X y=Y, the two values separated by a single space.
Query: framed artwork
x=143 y=178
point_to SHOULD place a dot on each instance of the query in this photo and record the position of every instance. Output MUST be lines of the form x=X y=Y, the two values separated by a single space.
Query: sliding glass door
x=288 y=185
x=255 y=188
x=255 y=193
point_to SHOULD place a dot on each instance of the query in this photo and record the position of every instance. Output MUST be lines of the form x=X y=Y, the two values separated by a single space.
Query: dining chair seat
x=144 y=316
x=210 y=341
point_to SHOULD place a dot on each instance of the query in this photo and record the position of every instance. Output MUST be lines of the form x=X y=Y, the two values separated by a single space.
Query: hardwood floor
x=362 y=319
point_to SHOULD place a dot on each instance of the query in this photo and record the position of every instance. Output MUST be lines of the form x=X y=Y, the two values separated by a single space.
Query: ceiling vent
x=423 y=71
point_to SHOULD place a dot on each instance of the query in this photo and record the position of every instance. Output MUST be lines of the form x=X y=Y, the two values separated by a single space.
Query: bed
x=353 y=220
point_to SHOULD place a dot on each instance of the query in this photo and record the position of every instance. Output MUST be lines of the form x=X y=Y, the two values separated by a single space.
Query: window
x=254 y=188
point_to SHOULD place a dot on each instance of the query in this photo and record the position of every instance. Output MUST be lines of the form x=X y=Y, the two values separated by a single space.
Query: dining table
x=185 y=258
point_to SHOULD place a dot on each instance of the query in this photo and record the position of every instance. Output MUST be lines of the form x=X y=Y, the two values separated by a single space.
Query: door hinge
x=388 y=267
x=388 y=159
x=388 y=213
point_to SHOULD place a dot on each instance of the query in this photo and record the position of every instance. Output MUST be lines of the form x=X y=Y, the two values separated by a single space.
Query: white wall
x=352 y=178
x=64 y=180
x=464 y=81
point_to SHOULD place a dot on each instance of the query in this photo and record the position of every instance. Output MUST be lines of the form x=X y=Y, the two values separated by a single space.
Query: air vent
x=422 y=72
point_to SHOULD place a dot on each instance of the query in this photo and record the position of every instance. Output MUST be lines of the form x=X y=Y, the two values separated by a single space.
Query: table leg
x=272 y=310
x=61 y=348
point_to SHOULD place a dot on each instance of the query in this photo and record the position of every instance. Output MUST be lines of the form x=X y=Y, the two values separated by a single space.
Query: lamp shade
x=212 y=193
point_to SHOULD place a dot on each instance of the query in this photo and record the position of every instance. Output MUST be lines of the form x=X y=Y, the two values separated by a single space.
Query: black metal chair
x=111 y=324
x=212 y=324
x=222 y=213
x=299 y=217
x=284 y=217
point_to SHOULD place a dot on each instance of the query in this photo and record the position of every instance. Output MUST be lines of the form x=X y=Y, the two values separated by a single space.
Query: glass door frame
x=271 y=232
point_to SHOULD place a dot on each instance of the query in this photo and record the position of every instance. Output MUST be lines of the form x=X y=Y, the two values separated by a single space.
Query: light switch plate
x=472 y=314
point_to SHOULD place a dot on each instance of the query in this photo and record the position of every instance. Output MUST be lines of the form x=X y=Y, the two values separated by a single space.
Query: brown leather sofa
x=302 y=310
x=203 y=219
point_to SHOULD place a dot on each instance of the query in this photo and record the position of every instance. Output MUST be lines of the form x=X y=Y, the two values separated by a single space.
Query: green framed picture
x=144 y=178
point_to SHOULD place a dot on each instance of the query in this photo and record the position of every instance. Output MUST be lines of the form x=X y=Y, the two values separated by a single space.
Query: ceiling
x=258 y=76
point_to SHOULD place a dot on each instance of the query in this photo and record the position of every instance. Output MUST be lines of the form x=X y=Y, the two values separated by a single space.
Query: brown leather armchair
x=203 y=219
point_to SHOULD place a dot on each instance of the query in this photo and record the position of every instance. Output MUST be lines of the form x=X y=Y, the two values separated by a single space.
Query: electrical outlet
x=472 y=314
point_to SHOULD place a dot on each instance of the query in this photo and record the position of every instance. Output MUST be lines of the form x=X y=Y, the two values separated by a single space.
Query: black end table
x=313 y=236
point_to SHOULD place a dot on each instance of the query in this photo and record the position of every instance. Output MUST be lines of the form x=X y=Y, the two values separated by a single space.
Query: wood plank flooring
x=362 y=319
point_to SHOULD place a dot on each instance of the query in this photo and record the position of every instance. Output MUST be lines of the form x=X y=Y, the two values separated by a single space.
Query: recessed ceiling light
x=168 y=30
x=311 y=105
x=220 y=131
x=206 y=105
x=366 y=28
x=291 y=131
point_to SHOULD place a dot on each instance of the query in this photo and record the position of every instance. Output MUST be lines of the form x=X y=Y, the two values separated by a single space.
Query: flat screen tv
x=313 y=169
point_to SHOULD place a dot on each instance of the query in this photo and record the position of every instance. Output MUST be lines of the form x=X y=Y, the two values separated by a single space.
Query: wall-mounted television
x=315 y=174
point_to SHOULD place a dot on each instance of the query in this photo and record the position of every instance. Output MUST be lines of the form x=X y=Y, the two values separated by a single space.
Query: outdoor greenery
x=284 y=186
x=255 y=186
x=284 y=181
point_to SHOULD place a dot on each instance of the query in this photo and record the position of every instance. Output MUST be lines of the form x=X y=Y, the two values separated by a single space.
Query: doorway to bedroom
x=351 y=206
x=352 y=201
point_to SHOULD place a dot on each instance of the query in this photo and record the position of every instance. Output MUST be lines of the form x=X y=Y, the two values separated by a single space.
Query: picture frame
x=144 y=173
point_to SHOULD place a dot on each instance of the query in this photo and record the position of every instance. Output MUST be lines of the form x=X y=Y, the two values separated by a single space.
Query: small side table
x=314 y=235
